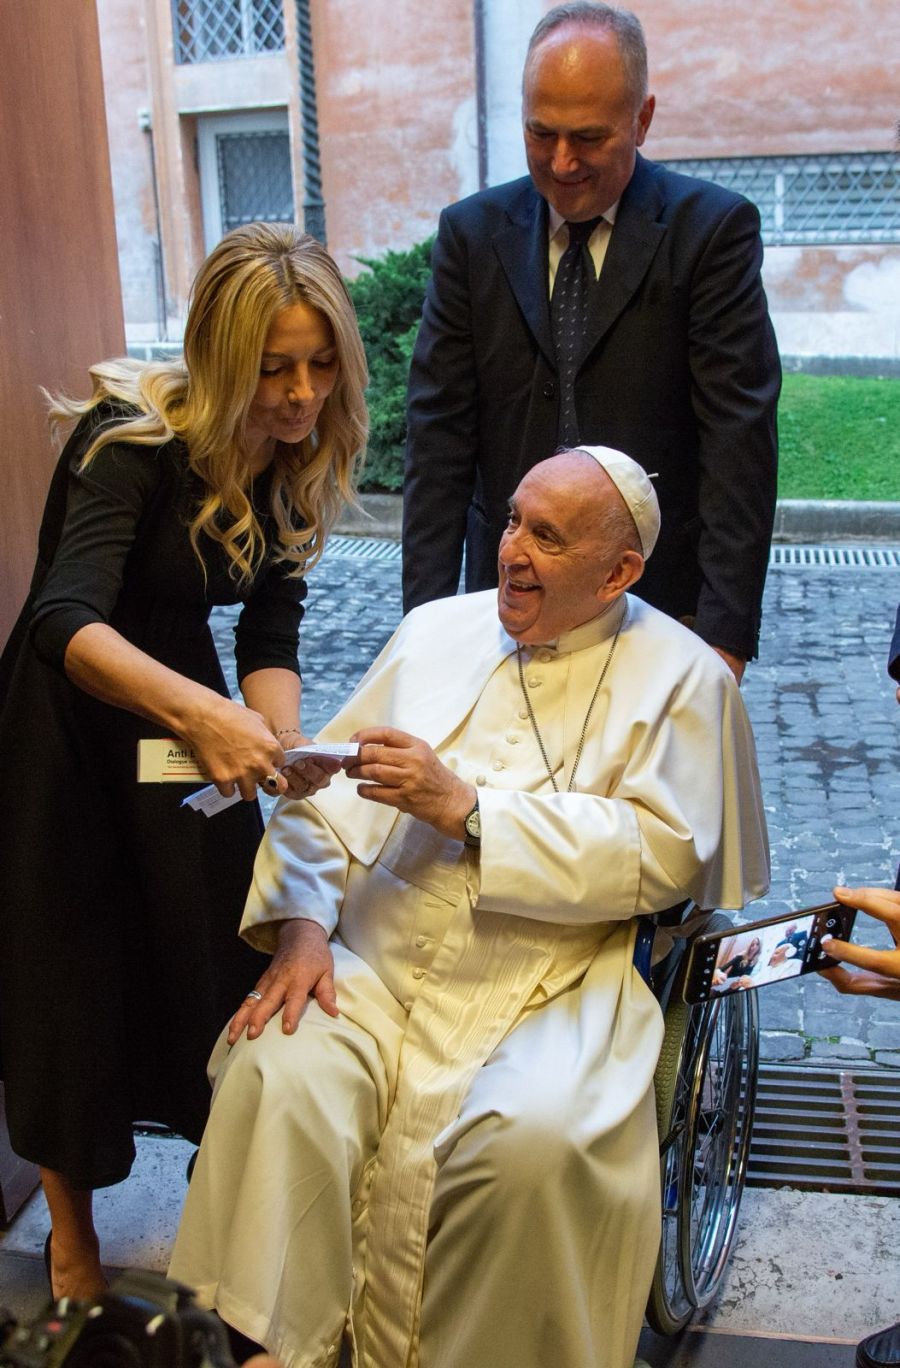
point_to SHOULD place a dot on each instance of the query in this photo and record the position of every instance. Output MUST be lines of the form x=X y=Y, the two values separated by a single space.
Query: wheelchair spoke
x=705 y=1092
x=720 y=1116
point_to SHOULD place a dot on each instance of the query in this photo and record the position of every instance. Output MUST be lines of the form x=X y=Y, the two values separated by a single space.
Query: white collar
x=556 y=219
x=591 y=633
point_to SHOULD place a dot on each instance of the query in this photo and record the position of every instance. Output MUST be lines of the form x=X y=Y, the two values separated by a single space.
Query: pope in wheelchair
x=433 y=1139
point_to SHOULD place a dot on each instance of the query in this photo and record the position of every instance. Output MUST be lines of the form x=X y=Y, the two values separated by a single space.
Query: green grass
x=839 y=438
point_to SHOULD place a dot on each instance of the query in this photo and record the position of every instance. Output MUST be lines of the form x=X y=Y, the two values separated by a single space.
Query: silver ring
x=253 y=994
x=271 y=783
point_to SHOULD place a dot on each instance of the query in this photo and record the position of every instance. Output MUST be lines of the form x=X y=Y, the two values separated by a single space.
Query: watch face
x=473 y=823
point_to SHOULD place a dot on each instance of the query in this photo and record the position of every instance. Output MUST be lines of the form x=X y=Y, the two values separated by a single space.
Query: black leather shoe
x=881 y=1350
x=48 y=1262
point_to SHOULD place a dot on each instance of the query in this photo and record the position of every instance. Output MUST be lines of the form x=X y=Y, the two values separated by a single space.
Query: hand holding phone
x=875 y=973
x=763 y=952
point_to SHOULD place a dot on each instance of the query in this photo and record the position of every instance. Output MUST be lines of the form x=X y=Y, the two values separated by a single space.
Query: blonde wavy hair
x=204 y=397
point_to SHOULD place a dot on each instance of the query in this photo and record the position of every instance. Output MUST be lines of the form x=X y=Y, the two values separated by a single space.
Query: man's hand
x=878 y=970
x=401 y=771
x=736 y=664
x=302 y=967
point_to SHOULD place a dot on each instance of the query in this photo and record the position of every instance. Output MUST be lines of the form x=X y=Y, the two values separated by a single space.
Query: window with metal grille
x=254 y=178
x=214 y=30
x=842 y=198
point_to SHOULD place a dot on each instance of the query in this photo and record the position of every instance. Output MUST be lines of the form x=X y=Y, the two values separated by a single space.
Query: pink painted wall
x=396 y=96
x=123 y=45
x=734 y=79
x=397 y=124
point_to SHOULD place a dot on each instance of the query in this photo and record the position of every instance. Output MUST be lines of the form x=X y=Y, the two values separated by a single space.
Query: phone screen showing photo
x=763 y=956
x=764 y=952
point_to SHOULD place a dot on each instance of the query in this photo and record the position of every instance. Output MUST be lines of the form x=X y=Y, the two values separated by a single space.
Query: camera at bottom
x=143 y=1321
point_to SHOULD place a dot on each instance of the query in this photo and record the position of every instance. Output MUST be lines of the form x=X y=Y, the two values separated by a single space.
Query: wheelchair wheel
x=705 y=1095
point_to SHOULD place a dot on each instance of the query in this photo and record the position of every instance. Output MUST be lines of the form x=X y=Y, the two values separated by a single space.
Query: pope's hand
x=403 y=772
x=302 y=967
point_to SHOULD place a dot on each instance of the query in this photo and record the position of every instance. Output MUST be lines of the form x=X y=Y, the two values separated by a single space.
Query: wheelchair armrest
x=661 y=973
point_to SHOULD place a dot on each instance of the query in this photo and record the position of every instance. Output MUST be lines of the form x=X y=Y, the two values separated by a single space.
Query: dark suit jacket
x=681 y=372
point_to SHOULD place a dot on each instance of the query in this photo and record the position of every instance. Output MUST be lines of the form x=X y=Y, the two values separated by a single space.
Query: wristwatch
x=473 y=827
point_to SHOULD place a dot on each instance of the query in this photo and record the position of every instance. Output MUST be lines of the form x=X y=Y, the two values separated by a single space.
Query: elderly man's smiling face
x=564 y=556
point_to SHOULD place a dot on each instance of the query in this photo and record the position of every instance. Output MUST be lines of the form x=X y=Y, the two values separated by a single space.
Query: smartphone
x=764 y=952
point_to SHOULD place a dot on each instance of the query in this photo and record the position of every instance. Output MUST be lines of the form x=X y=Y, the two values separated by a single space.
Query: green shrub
x=839 y=435
x=388 y=300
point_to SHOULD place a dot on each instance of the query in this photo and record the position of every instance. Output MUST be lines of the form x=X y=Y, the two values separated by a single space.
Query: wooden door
x=60 y=300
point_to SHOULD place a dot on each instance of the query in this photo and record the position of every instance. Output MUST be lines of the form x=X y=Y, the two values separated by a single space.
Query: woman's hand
x=307 y=776
x=235 y=747
x=233 y=744
x=877 y=971
x=302 y=967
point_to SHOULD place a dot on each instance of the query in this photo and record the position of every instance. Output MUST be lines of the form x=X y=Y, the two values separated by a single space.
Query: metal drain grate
x=363 y=548
x=850 y=557
x=847 y=557
x=827 y=1130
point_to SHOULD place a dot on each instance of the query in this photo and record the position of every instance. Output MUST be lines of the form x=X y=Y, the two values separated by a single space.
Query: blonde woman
x=208 y=480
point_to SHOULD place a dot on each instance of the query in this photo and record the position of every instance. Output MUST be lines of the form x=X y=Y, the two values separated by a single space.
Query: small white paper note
x=337 y=750
x=209 y=800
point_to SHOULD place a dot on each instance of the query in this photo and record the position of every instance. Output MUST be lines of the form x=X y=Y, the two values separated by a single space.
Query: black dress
x=119 y=910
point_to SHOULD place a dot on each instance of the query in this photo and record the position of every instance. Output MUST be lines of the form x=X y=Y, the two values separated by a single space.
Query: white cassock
x=462 y=1169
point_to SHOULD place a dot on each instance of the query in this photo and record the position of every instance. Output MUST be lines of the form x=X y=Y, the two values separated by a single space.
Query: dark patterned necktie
x=568 y=315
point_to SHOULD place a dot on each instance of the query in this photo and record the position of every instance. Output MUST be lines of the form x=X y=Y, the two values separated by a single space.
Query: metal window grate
x=216 y=30
x=841 y=198
x=254 y=178
x=827 y=1130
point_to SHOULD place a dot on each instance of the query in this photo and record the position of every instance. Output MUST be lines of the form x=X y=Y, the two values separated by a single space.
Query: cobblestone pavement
x=828 y=733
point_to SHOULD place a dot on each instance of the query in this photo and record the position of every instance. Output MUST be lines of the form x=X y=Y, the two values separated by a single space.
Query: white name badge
x=167 y=760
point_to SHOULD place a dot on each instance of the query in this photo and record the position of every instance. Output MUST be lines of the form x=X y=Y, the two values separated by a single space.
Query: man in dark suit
x=678 y=364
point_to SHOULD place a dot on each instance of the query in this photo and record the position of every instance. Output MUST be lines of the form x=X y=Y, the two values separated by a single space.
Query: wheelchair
x=705 y=1087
